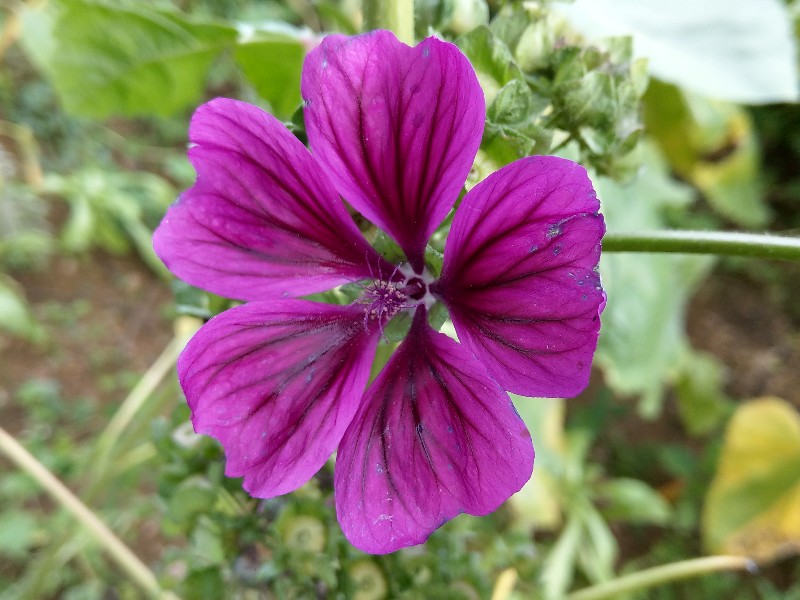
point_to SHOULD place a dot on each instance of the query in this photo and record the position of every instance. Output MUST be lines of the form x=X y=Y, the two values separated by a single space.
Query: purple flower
x=280 y=381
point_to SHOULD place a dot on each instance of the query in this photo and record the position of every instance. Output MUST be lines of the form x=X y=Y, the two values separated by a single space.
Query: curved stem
x=649 y=578
x=724 y=243
x=117 y=550
x=394 y=15
x=63 y=547
x=143 y=390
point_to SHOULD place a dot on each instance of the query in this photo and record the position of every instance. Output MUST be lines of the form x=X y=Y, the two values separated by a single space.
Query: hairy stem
x=117 y=550
x=752 y=245
x=649 y=578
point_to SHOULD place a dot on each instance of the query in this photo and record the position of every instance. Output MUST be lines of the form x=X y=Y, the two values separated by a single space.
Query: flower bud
x=304 y=533
x=369 y=581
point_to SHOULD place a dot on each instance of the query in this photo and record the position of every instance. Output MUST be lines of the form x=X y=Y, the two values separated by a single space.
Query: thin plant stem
x=134 y=402
x=504 y=585
x=28 y=149
x=11 y=31
x=117 y=550
x=724 y=243
x=64 y=548
x=649 y=578
x=394 y=15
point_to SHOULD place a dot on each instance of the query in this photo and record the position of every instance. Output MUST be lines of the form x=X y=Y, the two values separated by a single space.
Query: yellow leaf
x=753 y=505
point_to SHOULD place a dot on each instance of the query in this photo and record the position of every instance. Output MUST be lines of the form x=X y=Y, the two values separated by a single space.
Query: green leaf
x=467 y=15
x=753 y=505
x=205 y=583
x=538 y=503
x=17 y=531
x=192 y=498
x=131 y=60
x=36 y=36
x=15 y=318
x=643 y=336
x=279 y=83
x=633 y=501
x=713 y=145
x=512 y=129
x=742 y=51
x=702 y=405
x=492 y=60
x=510 y=25
x=512 y=124
x=206 y=543
x=559 y=565
x=514 y=103
x=79 y=230
x=588 y=100
x=599 y=549
x=331 y=11
x=112 y=208
x=453 y=16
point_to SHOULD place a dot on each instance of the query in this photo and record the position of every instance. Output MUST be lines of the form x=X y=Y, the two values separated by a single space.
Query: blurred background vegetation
x=687 y=442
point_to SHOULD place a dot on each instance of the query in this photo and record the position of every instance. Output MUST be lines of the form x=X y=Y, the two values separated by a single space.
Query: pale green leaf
x=129 y=60
x=272 y=62
x=559 y=565
x=206 y=543
x=36 y=35
x=192 y=498
x=753 y=505
x=599 y=549
x=17 y=531
x=643 y=336
x=742 y=51
x=537 y=504
x=702 y=405
x=633 y=501
x=492 y=60
x=713 y=145
x=15 y=318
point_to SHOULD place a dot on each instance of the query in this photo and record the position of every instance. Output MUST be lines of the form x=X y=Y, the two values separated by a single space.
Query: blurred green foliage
x=99 y=94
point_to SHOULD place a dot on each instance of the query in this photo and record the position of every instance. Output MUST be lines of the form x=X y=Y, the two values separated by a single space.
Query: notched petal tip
x=396 y=128
x=434 y=437
x=261 y=219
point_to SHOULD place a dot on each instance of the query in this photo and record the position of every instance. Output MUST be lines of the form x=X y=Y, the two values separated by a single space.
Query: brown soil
x=752 y=331
x=105 y=322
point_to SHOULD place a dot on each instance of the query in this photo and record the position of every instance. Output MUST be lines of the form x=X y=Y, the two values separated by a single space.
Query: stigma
x=385 y=299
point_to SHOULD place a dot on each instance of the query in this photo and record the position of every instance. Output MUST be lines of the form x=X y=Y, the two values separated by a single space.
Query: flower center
x=385 y=299
x=416 y=288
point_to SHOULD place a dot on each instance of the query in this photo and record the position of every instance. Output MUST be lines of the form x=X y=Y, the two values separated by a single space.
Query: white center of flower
x=387 y=298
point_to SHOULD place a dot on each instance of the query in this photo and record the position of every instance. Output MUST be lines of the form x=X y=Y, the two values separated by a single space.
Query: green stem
x=649 y=578
x=752 y=245
x=394 y=15
x=144 y=389
x=63 y=548
x=117 y=550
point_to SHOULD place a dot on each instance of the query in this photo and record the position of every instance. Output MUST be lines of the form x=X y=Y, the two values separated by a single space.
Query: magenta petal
x=434 y=437
x=396 y=128
x=261 y=220
x=520 y=278
x=277 y=384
